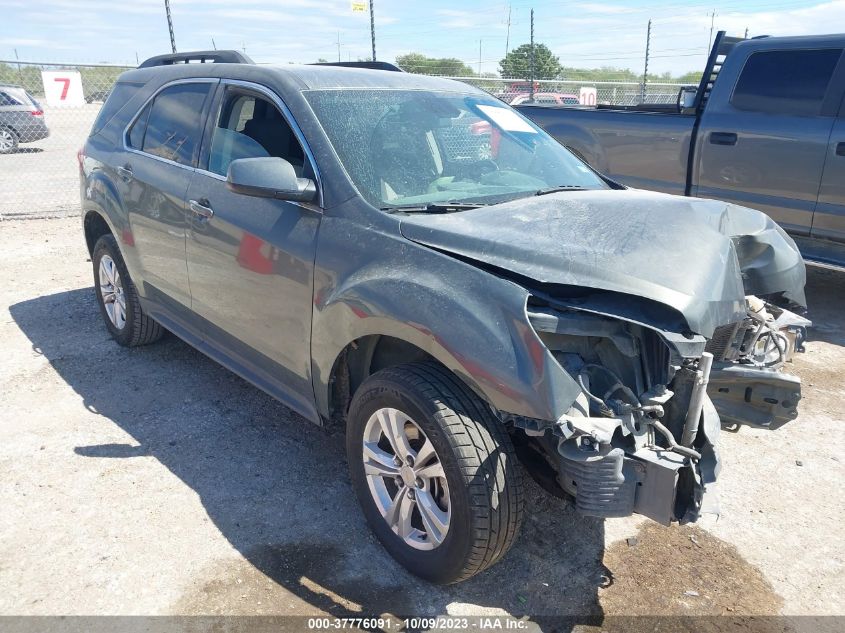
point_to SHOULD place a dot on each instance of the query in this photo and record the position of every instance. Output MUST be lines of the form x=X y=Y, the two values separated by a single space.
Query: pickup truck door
x=251 y=259
x=829 y=219
x=763 y=145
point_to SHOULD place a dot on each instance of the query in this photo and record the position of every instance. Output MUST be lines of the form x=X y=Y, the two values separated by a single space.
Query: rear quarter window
x=786 y=82
x=120 y=95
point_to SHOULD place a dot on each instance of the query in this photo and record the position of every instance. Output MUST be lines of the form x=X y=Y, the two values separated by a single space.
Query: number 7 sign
x=63 y=88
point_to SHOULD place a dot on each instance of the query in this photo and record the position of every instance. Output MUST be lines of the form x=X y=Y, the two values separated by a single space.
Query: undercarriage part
x=696 y=404
x=750 y=395
x=594 y=474
x=673 y=445
x=768 y=337
x=639 y=437
x=657 y=492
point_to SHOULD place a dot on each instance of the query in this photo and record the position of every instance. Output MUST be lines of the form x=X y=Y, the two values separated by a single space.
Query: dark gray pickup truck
x=765 y=129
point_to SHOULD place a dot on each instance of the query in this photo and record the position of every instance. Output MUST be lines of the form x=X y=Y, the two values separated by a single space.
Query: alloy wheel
x=406 y=479
x=111 y=291
x=7 y=141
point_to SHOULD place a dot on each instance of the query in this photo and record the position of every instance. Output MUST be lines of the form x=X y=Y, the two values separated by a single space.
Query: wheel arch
x=95 y=226
x=366 y=355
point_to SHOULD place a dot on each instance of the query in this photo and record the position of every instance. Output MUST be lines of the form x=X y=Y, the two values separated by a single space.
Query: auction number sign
x=587 y=96
x=63 y=87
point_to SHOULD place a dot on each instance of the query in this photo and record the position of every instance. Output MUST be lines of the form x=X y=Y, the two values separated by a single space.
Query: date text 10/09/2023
x=413 y=624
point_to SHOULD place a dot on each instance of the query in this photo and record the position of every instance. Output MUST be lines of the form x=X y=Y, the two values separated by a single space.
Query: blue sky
x=581 y=33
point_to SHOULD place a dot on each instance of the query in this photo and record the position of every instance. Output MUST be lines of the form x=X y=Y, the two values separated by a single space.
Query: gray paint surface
x=782 y=164
x=674 y=251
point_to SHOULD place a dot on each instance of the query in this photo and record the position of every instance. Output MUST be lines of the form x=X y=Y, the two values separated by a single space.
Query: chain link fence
x=577 y=91
x=40 y=176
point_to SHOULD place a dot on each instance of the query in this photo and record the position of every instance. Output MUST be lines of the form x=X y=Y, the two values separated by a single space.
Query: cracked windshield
x=411 y=148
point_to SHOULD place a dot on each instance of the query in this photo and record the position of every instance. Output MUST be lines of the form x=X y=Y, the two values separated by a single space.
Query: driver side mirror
x=269 y=177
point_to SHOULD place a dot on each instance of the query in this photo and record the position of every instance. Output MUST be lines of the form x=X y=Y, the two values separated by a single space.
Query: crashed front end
x=641 y=435
x=665 y=317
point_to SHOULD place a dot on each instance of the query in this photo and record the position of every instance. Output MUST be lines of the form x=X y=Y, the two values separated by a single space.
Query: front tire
x=118 y=298
x=434 y=471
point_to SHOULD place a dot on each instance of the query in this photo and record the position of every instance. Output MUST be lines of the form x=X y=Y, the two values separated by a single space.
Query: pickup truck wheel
x=118 y=297
x=8 y=140
x=434 y=471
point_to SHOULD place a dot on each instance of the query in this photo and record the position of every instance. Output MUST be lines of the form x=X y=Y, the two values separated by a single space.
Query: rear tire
x=478 y=489
x=118 y=298
x=8 y=140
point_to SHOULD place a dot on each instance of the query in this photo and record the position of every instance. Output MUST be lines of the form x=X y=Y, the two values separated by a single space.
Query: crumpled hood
x=700 y=257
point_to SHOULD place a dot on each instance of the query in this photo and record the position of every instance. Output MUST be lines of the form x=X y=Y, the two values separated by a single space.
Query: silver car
x=21 y=118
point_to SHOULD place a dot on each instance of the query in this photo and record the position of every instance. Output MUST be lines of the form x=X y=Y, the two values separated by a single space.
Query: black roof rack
x=370 y=65
x=203 y=57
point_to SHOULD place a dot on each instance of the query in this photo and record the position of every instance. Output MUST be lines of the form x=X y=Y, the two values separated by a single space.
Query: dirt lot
x=152 y=481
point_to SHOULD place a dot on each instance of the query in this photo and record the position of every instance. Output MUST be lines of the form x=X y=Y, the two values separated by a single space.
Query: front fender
x=469 y=320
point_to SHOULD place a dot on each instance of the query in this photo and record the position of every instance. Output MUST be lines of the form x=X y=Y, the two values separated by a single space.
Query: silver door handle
x=201 y=209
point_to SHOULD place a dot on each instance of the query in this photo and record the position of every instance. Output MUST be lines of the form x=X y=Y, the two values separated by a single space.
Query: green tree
x=692 y=77
x=422 y=65
x=517 y=63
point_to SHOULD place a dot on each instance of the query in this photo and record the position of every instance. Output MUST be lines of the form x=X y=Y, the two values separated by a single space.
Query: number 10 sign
x=63 y=87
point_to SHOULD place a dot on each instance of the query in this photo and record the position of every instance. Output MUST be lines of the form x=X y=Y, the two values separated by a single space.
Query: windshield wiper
x=434 y=207
x=543 y=192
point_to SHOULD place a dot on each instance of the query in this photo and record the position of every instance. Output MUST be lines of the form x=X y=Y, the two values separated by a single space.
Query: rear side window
x=136 y=134
x=786 y=82
x=119 y=96
x=174 y=123
x=6 y=100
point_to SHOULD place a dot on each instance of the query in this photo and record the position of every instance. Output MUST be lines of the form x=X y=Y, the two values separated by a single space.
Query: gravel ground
x=153 y=481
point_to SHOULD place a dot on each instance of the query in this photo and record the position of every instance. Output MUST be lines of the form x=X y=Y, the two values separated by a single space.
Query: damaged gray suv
x=411 y=259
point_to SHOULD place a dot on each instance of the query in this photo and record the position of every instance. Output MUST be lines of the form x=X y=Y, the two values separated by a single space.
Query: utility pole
x=20 y=72
x=170 y=25
x=531 y=62
x=746 y=33
x=508 y=36
x=213 y=44
x=645 y=70
x=479 y=56
x=338 y=46
x=373 y=29
x=710 y=39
